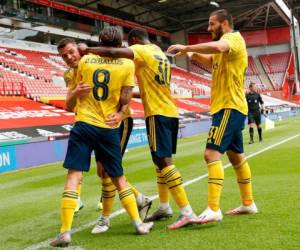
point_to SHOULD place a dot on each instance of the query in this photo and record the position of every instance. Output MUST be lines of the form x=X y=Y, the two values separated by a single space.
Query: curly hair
x=111 y=36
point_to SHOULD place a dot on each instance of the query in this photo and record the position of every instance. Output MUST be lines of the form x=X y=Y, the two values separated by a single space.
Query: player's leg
x=68 y=205
x=164 y=210
x=100 y=171
x=242 y=170
x=111 y=158
x=163 y=131
x=219 y=138
x=129 y=203
x=79 y=202
x=107 y=198
x=251 y=123
x=77 y=160
x=144 y=202
x=258 y=125
x=173 y=180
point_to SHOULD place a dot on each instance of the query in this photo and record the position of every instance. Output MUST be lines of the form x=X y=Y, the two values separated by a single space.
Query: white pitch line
x=121 y=211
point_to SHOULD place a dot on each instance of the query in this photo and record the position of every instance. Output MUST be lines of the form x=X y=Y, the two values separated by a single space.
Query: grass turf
x=29 y=201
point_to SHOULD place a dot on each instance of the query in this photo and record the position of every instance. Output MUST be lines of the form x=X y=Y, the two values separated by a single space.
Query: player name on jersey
x=101 y=60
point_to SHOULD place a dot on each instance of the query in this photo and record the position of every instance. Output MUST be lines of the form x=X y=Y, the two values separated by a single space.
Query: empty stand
x=24 y=72
x=275 y=65
x=192 y=84
x=29 y=73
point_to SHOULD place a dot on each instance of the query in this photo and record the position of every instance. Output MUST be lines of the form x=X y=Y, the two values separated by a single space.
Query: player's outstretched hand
x=83 y=89
x=113 y=119
x=82 y=47
x=177 y=50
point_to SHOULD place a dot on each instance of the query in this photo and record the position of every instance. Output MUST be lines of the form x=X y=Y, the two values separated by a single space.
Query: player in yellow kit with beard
x=108 y=83
x=227 y=55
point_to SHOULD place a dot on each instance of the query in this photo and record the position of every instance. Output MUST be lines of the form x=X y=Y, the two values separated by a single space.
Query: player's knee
x=73 y=179
x=99 y=173
x=162 y=162
x=120 y=182
x=207 y=156
x=211 y=155
x=235 y=158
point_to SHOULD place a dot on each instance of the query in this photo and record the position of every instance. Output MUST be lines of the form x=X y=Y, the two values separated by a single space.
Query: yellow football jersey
x=228 y=76
x=70 y=78
x=153 y=74
x=107 y=76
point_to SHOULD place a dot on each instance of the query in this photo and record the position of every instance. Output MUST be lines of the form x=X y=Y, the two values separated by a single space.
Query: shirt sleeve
x=137 y=50
x=260 y=100
x=233 y=41
x=68 y=77
x=129 y=80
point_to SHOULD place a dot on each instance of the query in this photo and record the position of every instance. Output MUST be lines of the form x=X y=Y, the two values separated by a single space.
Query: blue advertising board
x=137 y=138
x=8 y=158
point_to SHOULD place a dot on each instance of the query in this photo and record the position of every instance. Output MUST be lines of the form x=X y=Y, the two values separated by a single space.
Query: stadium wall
x=263 y=37
x=180 y=38
x=19 y=44
x=270 y=49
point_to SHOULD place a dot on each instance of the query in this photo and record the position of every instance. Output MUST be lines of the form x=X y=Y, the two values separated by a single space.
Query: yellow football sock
x=215 y=184
x=108 y=196
x=243 y=174
x=129 y=203
x=68 y=205
x=174 y=182
x=162 y=187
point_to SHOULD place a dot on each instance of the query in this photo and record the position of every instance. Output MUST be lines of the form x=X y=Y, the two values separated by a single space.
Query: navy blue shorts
x=162 y=135
x=124 y=134
x=226 y=131
x=84 y=138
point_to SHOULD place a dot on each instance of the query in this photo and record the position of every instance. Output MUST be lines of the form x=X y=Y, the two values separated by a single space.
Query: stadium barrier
x=53 y=149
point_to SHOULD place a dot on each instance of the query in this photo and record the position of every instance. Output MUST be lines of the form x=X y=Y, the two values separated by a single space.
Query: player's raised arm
x=107 y=51
x=214 y=47
x=200 y=58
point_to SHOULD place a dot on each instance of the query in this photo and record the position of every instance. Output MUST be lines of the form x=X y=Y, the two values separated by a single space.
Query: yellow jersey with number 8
x=153 y=73
x=106 y=76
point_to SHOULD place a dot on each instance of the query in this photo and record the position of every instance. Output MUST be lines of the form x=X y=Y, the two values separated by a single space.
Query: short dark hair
x=251 y=84
x=111 y=36
x=65 y=41
x=223 y=15
x=139 y=33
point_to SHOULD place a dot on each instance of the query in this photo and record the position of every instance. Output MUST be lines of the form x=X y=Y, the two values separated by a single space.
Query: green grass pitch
x=29 y=201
